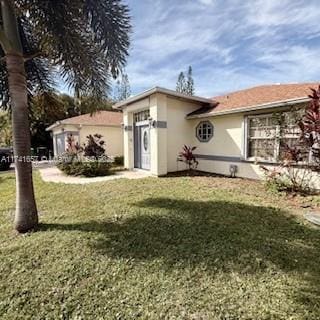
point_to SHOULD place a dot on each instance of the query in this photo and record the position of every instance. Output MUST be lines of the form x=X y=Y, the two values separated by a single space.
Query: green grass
x=169 y=248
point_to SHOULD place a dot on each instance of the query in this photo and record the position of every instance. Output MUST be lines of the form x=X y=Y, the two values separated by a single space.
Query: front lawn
x=167 y=248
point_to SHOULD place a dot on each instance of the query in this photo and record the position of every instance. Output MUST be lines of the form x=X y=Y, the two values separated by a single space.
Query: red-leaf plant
x=306 y=153
x=310 y=129
x=188 y=157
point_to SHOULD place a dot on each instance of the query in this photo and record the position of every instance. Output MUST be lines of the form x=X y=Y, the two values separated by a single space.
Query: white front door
x=145 y=147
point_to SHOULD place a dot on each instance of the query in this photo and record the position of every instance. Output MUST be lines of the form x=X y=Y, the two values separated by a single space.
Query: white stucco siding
x=128 y=139
x=158 y=135
x=179 y=131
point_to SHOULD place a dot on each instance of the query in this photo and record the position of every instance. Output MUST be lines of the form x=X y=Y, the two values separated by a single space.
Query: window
x=204 y=131
x=267 y=135
x=142 y=115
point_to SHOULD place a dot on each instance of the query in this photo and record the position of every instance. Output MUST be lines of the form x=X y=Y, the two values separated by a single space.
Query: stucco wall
x=179 y=131
x=227 y=143
x=113 y=136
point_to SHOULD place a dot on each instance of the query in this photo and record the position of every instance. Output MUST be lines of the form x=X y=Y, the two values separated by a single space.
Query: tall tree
x=123 y=90
x=186 y=84
x=181 y=83
x=87 y=39
x=190 y=82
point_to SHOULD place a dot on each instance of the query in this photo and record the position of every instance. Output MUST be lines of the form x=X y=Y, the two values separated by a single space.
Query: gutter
x=252 y=108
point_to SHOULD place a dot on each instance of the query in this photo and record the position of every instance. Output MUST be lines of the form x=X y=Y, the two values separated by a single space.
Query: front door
x=142 y=146
x=145 y=147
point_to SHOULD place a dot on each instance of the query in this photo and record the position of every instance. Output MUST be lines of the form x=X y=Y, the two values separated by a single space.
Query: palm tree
x=84 y=41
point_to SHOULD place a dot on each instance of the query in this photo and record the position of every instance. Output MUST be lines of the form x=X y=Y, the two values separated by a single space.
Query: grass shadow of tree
x=221 y=236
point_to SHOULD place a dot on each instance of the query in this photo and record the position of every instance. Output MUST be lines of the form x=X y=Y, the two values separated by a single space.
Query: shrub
x=89 y=161
x=118 y=161
x=85 y=168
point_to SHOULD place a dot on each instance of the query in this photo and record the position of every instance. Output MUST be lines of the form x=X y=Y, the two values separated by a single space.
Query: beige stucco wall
x=179 y=131
x=113 y=136
x=166 y=142
x=228 y=141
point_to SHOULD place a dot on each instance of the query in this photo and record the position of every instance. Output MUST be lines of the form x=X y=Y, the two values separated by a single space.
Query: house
x=229 y=131
x=105 y=123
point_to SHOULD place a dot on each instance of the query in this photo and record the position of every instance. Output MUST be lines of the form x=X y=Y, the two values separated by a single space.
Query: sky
x=230 y=44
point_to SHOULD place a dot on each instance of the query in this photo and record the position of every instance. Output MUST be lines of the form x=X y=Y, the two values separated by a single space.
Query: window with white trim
x=267 y=135
x=204 y=131
x=142 y=115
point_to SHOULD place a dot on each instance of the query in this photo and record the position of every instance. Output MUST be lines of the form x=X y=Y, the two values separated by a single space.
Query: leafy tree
x=123 y=90
x=89 y=104
x=190 y=82
x=85 y=41
x=186 y=84
x=181 y=83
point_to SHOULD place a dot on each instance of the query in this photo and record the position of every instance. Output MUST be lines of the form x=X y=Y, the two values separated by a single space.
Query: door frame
x=137 y=146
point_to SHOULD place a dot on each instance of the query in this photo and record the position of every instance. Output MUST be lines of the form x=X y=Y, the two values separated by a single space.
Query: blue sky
x=231 y=44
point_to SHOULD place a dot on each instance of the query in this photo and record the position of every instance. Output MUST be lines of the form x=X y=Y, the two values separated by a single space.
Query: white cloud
x=206 y=2
x=230 y=44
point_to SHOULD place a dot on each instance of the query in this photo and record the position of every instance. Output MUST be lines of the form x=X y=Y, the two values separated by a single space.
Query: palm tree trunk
x=26 y=217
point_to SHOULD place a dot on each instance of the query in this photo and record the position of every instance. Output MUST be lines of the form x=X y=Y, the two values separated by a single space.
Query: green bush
x=118 y=161
x=87 y=169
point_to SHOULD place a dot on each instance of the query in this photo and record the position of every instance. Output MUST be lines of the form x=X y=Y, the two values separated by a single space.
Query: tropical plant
x=299 y=165
x=85 y=41
x=89 y=161
x=310 y=130
x=188 y=157
x=94 y=148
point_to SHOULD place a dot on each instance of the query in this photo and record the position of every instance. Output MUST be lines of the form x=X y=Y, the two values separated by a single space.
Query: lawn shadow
x=218 y=235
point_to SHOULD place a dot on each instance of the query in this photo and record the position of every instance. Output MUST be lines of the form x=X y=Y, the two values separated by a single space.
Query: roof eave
x=252 y=108
x=124 y=103
x=56 y=124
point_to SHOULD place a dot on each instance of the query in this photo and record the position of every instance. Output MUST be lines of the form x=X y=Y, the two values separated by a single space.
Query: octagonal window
x=204 y=131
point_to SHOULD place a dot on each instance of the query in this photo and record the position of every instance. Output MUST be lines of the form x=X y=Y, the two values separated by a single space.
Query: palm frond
x=110 y=23
x=87 y=41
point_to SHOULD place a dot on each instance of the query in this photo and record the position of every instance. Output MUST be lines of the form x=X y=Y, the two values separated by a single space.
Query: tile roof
x=102 y=118
x=257 y=96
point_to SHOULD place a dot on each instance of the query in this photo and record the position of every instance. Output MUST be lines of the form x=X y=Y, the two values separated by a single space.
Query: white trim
x=60 y=123
x=168 y=92
x=277 y=139
x=263 y=106
x=244 y=142
x=142 y=123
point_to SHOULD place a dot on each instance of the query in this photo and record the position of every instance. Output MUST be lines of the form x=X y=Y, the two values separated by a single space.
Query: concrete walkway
x=53 y=174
